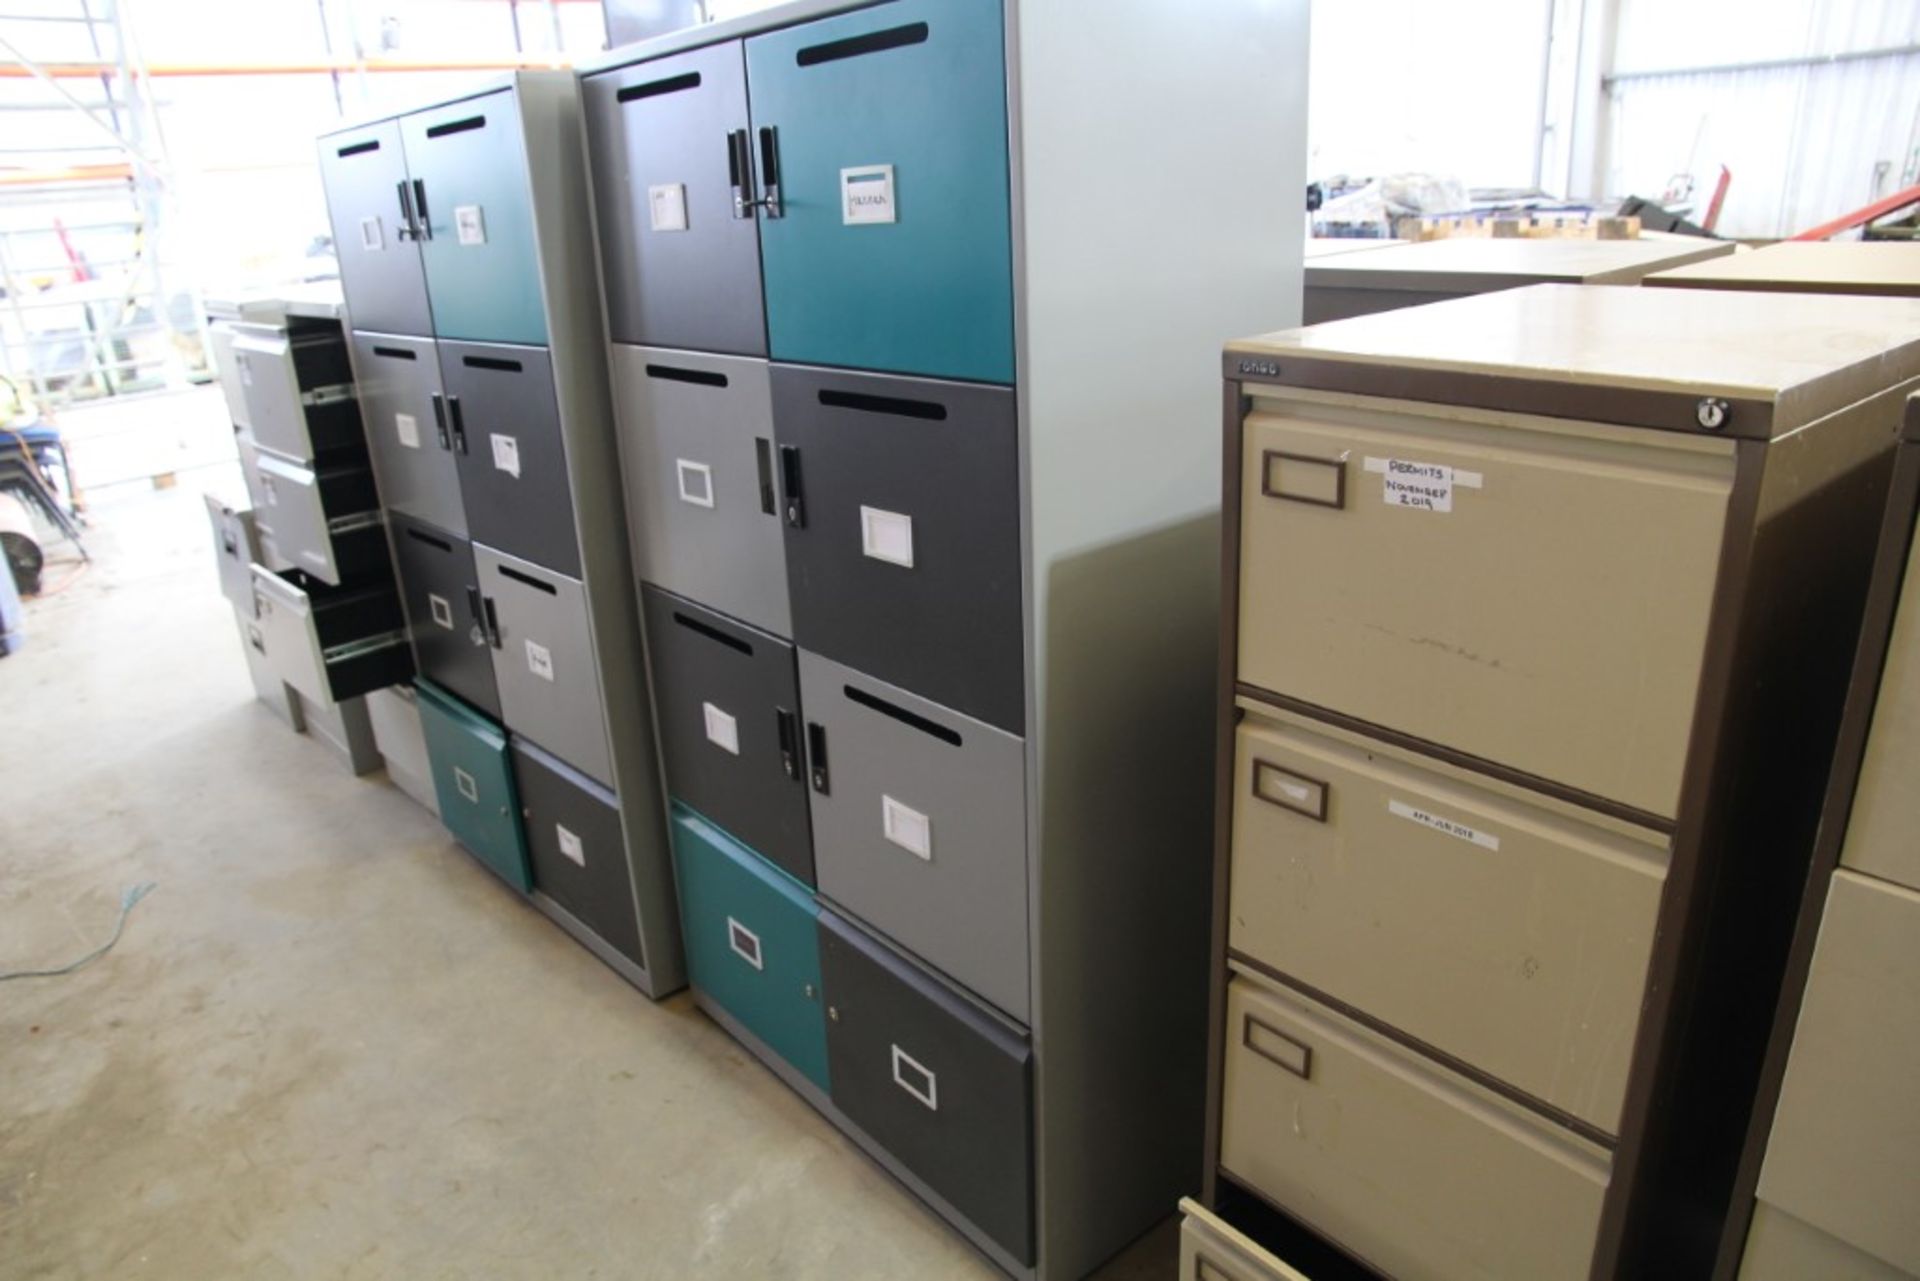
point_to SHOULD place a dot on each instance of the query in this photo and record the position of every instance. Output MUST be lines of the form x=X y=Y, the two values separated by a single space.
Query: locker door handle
x=459 y=420
x=789 y=742
x=491 y=623
x=763 y=456
x=790 y=481
x=817 y=756
x=409 y=230
x=481 y=635
x=769 y=171
x=425 y=231
x=440 y=420
x=739 y=171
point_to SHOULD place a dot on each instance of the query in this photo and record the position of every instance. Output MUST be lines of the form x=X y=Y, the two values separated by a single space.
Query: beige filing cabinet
x=1829 y=1185
x=1343 y=285
x=1539 y=607
x=1807 y=267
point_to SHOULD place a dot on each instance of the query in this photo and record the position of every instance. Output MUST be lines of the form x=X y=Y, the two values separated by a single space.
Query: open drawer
x=1211 y=1250
x=236 y=546
x=326 y=522
x=331 y=643
x=297 y=386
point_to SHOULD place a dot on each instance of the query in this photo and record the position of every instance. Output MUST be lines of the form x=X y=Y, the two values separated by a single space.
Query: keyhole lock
x=1711 y=413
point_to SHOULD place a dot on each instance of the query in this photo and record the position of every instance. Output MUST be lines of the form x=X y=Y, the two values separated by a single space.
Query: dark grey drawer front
x=441 y=591
x=728 y=699
x=902 y=501
x=934 y=1081
x=512 y=460
x=402 y=404
x=578 y=851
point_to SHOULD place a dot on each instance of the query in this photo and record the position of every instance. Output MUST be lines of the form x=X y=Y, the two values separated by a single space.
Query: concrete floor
x=330 y=1045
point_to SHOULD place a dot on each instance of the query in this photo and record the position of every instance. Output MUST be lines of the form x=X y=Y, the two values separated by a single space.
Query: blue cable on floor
x=128 y=897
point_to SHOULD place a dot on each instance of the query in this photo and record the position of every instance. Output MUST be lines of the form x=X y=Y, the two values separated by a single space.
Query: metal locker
x=902 y=505
x=920 y=826
x=942 y=1086
x=376 y=226
x=1424 y=1175
x=543 y=660
x=1471 y=916
x=1520 y=576
x=881 y=141
x=576 y=846
x=696 y=443
x=441 y=590
x=752 y=945
x=405 y=412
x=507 y=445
x=475 y=211
x=473 y=780
x=727 y=701
x=673 y=187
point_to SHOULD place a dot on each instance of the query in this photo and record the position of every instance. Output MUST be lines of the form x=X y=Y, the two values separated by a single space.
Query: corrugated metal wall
x=1805 y=142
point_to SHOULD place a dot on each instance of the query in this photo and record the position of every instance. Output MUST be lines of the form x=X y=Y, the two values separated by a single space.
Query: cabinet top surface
x=1328 y=246
x=1854 y=266
x=1807 y=354
x=1473 y=264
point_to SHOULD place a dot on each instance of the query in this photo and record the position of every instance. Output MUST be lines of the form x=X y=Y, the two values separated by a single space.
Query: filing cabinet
x=408 y=431
x=1805 y=266
x=543 y=659
x=332 y=643
x=324 y=521
x=577 y=852
x=1537 y=611
x=297 y=385
x=1212 y=1250
x=446 y=617
x=731 y=726
x=701 y=479
x=473 y=779
x=509 y=452
x=752 y=945
x=236 y=546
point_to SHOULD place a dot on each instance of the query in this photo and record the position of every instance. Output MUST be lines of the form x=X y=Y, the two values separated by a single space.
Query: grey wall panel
x=441 y=591
x=543 y=659
x=903 y=533
x=513 y=465
x=575 y=845
x=697 y=448
x=919 y=822
x=405 y=416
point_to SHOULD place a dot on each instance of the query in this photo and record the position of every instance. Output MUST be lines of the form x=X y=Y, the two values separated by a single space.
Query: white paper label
x=906 y=827
x=371 y=234
x=1421 y=486
x=1459 y=831
x=866 y=194
x=722 y=730
x=887 y=536
x=442 y=611
x=470 y=225
x=407 y=427
x=570 y=845
x=667 y=207
x=506 y=454
x=540 y=660
x=1299 y=793
x=696 y=482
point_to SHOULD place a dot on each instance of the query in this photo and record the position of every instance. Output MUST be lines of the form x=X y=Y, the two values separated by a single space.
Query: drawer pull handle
x=745 y=944
x=1290 y=790
x=1317 y=482
x=1275 y=1046
x=926 y=1088
x=817 y=756
x=789 y=730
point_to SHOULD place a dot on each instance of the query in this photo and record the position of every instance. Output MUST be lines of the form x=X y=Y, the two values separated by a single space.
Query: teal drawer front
x=752 y=943
x=473 y=778
x=918 y=86
x=470 y=173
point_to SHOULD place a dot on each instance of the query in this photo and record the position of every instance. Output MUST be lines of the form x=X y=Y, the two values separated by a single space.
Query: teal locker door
x=881 y=135
x=473 y=778
x=483 y=276
x=752 y=943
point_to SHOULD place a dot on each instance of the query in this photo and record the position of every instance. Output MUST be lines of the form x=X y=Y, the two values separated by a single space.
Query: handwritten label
x=540 y=661
x=1446 y=826
x=506 y=454
x=470 y=225
x=1421 y=486
x=667 y=207
x=866 y=195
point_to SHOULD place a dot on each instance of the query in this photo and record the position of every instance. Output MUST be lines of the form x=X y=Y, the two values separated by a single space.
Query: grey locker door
x=696 y=441
x=441 y=591
x=577 y=848
x=508 y=448
x=407 y=430
x=920 y=826
x=728 y=702
x=375 y=228
x=937 y=1083
x=669 y=148
x=902 y=506
x=543 y=660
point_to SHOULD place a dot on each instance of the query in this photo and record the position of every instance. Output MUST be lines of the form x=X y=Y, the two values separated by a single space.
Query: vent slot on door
x=359 y=148
x=654 y=88
x=902 y=715
x=492 y=362
x=932 y=411
x=712 y=633
x=855 y=46
x=420 y=536
x=675 y=374
x=395 y=353
x=456 y=126
x=507 y=571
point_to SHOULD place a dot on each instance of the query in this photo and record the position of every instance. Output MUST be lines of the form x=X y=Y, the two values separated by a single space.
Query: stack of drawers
x=465 y=251
x=1531 y=683
x=807 y=225
x=1833 y=1156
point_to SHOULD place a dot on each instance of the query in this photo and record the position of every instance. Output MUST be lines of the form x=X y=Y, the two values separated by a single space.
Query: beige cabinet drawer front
x=1844 y=1154
x=1211 y=1250
x=1886 y=804
x=1412 y=1168
x=1512 y=937
x=1568 y=582
x=1783 y=1248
